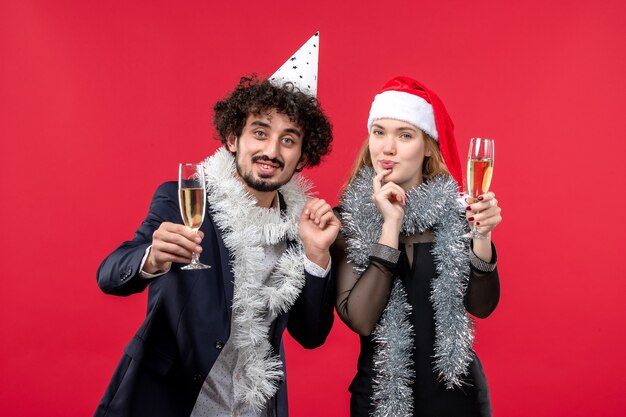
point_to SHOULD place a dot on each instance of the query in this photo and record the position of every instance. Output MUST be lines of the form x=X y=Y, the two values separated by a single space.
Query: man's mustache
x=268 y=159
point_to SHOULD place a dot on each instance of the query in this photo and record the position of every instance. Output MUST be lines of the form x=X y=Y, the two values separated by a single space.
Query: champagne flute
x=479 y=173
x=192 y=201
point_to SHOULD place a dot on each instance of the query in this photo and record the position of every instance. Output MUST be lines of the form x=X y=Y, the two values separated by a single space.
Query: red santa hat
x=403 y=98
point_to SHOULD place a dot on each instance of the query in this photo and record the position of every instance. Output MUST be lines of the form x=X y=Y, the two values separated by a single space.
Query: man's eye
x=259 y=133
x=288 y=141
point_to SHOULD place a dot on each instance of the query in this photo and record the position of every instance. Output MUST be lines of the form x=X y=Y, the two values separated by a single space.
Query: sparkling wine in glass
x=479 y=173
x=192 y=202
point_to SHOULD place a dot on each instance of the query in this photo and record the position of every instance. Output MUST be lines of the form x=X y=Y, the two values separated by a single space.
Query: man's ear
x=301 y=163
x=231 y=142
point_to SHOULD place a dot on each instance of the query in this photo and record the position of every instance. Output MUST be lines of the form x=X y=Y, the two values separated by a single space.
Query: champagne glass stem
x=195 y=258
x=475 y=233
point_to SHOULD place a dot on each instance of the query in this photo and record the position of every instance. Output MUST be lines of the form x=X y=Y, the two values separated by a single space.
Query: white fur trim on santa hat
x=406 y=107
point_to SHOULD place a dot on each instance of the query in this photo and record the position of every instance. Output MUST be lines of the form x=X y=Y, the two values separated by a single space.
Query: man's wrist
x=147 y=268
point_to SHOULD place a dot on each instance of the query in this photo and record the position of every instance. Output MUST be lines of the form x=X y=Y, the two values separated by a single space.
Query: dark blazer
x=188 y=320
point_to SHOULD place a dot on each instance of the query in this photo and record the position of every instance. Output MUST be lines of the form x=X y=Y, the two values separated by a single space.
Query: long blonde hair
x=433 y=165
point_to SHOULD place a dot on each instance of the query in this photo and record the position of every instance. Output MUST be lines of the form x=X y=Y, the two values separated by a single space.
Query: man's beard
x=261 y=184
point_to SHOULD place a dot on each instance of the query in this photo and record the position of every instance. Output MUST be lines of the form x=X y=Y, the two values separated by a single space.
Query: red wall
x=99 y=101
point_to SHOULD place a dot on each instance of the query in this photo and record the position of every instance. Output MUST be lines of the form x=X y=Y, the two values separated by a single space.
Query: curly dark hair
x=254 y=96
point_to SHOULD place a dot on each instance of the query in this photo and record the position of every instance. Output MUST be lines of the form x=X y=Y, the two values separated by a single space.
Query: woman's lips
x=387 y=164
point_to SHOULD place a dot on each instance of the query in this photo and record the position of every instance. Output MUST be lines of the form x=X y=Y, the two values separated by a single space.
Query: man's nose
x=271 y=147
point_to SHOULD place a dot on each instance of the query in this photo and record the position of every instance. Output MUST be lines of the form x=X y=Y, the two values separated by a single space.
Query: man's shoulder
x=168 y=188
x=165 y=195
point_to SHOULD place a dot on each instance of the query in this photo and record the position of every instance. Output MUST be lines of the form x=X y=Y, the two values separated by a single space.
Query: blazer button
x=219 y=345
x=197 y=378
x=124 y=275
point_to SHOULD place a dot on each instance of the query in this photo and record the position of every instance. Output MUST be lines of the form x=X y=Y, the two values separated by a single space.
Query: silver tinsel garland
x=245 y=229
x=432 y=205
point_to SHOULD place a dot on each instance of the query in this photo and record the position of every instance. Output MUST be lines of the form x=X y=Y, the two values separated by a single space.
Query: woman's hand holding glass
x=484 y=213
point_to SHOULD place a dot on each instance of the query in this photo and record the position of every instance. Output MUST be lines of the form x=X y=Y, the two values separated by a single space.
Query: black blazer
x=188 y=320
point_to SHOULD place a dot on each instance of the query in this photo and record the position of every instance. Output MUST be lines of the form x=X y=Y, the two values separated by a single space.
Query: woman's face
x=399 y=147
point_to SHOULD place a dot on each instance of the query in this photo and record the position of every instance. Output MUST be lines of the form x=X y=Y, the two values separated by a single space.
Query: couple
x=400 y=276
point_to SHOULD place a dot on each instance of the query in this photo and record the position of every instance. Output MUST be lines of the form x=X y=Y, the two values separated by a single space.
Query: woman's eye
x=377 y=132
x=406 y=136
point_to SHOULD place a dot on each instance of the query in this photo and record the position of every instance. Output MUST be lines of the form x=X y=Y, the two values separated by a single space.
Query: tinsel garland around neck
x=245 y=229
x=432 y=205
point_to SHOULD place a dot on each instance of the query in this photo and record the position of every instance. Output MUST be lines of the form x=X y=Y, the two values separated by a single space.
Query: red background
x=99 y=101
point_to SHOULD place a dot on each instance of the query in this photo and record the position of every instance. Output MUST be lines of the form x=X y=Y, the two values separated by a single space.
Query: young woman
x=406 y=276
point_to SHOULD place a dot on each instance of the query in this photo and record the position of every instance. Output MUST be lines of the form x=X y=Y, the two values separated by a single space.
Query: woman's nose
x=389 y=146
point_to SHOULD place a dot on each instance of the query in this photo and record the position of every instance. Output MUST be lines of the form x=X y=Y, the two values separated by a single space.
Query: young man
x=211 y=343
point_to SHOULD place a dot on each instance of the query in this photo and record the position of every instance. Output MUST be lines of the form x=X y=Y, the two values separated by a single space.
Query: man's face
x=268 y=152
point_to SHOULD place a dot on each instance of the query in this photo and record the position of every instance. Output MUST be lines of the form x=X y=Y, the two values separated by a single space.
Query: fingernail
x=406 y=196
x=197 y=239
x=199 y=249
x=468 y=208
x=477 y=223
x=471 y=219
x=480 y=198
